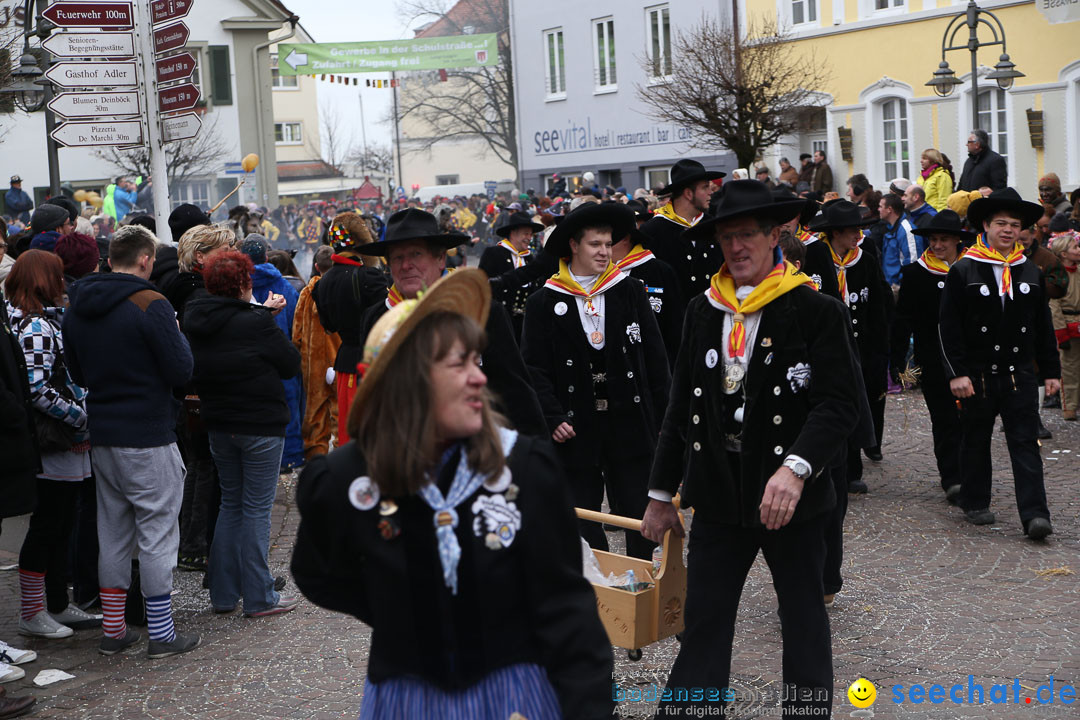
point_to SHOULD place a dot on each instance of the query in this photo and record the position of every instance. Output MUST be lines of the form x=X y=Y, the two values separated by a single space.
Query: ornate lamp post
x=945 y=81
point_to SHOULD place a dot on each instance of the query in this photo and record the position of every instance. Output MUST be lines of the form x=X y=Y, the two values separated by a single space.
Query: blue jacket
x=18 y=204
x=123 y=201
x=922 y=215
x=122 y=344
x=899 y=247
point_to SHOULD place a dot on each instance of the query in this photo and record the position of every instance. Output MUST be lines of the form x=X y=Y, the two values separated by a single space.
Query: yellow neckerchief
x=393 y=297
x=721 y=294
x=850 y=259
x=805 y=236
x=516 y=256
x=638 y=255
x=931 y=262
x=982 y=252
x=668 y=213
x=564 y=282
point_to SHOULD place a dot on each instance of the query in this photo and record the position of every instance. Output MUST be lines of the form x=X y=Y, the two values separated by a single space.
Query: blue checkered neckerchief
x=466 y=482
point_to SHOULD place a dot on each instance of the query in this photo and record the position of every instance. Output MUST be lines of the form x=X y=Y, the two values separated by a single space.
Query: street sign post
x=175 y=67
x=180 y=127
x=165 y=10
x=96 y=74
x=90 y=14
x=170 y=37
x=490 y=186
x=106 y=132
x=95 y=104
x=178 y=97
x=90 y=44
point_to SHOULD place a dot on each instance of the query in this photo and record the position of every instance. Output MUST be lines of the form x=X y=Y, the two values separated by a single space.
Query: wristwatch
x=798 y=467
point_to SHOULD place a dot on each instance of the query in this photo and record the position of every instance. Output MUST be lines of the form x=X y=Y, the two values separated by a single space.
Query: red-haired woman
x=241 y=357
x=35 y=292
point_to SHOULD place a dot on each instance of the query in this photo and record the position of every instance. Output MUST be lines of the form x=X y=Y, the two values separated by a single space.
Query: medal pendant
x=735 y=372
x=730 y=385
x=596 y=337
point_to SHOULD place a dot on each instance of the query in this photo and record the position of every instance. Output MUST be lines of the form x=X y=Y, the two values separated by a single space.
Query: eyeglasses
x=972 y=141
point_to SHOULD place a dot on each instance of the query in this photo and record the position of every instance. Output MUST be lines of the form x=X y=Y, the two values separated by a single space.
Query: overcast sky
x=354 y=21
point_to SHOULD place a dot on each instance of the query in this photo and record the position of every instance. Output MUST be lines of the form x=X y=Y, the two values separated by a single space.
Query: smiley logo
x=862 y=693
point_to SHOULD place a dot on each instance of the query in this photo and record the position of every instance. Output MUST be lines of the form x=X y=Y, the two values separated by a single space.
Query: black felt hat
x=687 y=172
x=185 y=217
x=839 y=214
x=744 y=198
x=412 y=224
x=946 y=222
x=810 y=207
x=610 y=214
x=519 y=219
x=1004 y=200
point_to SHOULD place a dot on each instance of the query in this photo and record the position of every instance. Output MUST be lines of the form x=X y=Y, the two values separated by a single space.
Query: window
x=447 y=179
x=887 y=4
x=555 y=67
x=279 y=81
x=804 y=11
x=894 y=133
x=657 y=177
x=658 y=28
x=992 y=119
x=288 y=133
x=604 y=56
x=196 y=193
x=820 y=145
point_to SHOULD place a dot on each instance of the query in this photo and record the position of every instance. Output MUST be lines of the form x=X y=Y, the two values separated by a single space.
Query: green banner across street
x=388 y=55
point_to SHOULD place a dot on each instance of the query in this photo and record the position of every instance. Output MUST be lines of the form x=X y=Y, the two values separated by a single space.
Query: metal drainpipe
x=260 y=182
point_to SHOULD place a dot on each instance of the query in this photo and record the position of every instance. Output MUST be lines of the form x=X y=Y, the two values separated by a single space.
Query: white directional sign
x=95 y=104
x=90 y=44
x=105 y=74
x=180 y=127
x=107 y=132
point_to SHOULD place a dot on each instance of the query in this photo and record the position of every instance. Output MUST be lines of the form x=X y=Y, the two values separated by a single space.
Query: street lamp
x=26 y=92
x=945 y=81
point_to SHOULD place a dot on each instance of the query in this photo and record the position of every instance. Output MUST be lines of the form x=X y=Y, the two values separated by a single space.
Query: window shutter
x=220 y=75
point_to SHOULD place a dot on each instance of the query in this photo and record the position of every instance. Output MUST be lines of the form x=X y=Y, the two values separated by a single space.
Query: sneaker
x=111 y=646
x=42 y=625
x=1038 y=528
x=279 y=583
x=180 y=644
x=284 y=605
x=76 y=619
x=980 y=517
x=192 y=563
x=15 y=656
x=952 y=494
x=8 y=673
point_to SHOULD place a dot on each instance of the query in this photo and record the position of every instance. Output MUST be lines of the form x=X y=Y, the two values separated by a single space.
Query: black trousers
x=834 y=527
x=875 y=379
x=45 y=548
x=627 y=482
x=720 y=557
x=83 y=549
x=945 y=424
x=1016 y=398
x=202 y=493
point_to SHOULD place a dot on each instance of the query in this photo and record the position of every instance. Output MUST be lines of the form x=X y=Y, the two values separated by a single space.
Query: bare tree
x=376 y=158
x=472 y=102
x=740 y=94
x=183 y=160
x=336 y=141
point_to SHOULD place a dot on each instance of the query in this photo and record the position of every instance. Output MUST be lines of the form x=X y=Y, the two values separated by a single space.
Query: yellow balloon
x=97 y=201
x=80 y=196
x=250 y=162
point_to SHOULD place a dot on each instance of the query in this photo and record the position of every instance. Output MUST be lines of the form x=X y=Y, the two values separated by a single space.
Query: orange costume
x=318 y=349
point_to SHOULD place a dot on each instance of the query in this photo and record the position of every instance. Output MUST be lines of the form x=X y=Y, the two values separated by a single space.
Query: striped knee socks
x=32 y=591
x=159 y=620
x=113 y=603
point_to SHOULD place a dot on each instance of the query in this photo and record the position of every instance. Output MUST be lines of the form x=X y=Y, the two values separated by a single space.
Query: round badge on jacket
x=363 y=493
x=560 y=308
x=1025 y=288
x=985 y=291
x=711 y=358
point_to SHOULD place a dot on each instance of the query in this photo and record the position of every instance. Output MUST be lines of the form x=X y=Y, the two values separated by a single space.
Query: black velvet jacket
x=694 y=263
x=801 y=399
x=979 y=337
x=524 y=603
x=557 y=354
x=917 y=314
x=341 y=297
x=665 y=297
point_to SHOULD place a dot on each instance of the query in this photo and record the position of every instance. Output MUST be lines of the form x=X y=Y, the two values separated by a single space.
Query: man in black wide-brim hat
x=761 y=402
x=415 y=248
x=690 y=188
x=921 y=286
x=512 y=253
x=597 y=359
x=998 y=343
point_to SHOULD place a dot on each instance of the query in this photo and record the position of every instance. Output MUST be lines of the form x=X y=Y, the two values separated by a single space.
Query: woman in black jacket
x=240 y=358
x=451 y=535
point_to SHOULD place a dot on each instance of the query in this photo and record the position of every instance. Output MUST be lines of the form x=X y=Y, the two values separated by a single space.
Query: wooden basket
x=636 y=619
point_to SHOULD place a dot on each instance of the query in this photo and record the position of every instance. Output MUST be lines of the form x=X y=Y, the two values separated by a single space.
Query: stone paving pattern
x=927 y=599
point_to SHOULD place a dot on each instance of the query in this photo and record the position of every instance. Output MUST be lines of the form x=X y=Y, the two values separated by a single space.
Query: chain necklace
x=594 y=312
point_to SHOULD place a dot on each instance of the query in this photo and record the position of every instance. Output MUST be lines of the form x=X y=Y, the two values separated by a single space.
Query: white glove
x=330 y=375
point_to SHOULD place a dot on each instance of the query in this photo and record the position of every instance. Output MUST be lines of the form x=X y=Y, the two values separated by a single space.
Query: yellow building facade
x=880 y=54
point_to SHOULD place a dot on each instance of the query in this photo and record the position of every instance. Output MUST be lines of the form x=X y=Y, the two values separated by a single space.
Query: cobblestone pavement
x=928 y=599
